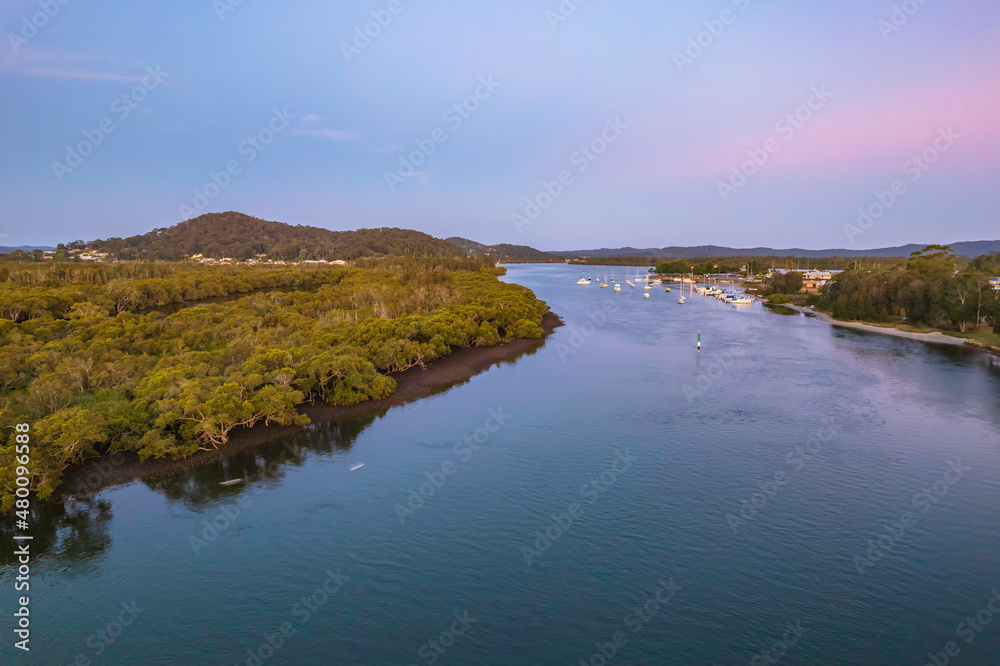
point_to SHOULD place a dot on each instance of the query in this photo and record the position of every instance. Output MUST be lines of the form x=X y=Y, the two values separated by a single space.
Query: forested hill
x=240 y=236
x=503 y=251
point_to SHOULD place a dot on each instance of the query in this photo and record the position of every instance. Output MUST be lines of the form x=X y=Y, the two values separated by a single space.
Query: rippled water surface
x=748 y=485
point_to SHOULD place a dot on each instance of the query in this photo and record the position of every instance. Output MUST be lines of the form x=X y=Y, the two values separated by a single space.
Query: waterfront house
x=812 y=281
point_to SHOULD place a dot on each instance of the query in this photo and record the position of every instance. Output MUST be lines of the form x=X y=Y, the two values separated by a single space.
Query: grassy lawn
x=986 y=335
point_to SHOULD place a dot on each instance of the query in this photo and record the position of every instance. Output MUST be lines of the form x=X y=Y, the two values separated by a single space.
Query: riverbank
x=934 y=337
x=413 y=384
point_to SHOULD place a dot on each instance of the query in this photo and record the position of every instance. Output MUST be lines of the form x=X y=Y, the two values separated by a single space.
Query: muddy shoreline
x=413 y=384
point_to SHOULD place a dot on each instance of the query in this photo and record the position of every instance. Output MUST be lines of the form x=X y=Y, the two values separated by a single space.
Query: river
x=824 y=495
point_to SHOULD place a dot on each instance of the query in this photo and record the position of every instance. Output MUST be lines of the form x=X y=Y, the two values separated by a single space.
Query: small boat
x=646 y=295
x=647 y=287
x=668 y=290
x=231 y=482
x=583 y=281
x=359 y=466
x=618 y=287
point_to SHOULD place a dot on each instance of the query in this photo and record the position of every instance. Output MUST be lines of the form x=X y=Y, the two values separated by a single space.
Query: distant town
x=108 y=258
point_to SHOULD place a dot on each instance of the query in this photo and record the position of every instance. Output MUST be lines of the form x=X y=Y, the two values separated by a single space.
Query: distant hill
x=5 y=249
x=502 y=251
x=962 y=249
x=240 y=236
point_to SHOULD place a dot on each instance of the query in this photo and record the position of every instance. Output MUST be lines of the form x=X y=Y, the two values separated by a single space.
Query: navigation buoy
x=699 y=340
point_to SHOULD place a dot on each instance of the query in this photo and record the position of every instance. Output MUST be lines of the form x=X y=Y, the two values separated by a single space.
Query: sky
x=855 y=124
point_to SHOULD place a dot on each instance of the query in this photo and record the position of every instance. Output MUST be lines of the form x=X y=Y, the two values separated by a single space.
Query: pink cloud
x=854 y=130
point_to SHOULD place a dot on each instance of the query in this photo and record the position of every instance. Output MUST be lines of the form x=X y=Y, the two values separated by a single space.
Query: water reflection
x=72 y=531
x=200 y=485
x=77 y=528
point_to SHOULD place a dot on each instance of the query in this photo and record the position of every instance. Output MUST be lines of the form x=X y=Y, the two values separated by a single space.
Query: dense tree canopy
x=784 y=283
x=94 y=362
x=927 y=290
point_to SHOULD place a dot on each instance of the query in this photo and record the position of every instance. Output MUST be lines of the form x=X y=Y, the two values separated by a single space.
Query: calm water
x=854 y=427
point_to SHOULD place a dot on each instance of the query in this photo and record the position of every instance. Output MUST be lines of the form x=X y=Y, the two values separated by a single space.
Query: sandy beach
x=936 y=338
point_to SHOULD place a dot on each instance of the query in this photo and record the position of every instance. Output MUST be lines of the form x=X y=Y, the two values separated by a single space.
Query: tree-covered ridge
x=242 y=237
x=504 y=251
x=927 y=290
x=93 y=378
x=758 y=265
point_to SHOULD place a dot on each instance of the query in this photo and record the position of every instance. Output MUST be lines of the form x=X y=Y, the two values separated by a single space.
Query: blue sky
x=873 y=87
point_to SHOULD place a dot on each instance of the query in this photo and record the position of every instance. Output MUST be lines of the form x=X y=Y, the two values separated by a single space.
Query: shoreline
x=934 y=338
x=413 y=384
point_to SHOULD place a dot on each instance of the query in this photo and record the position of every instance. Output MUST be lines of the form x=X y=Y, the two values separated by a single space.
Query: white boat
x=583 y=280
x=618 y=287
x=604 y=285
x=646 y=295
x=647 y=287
